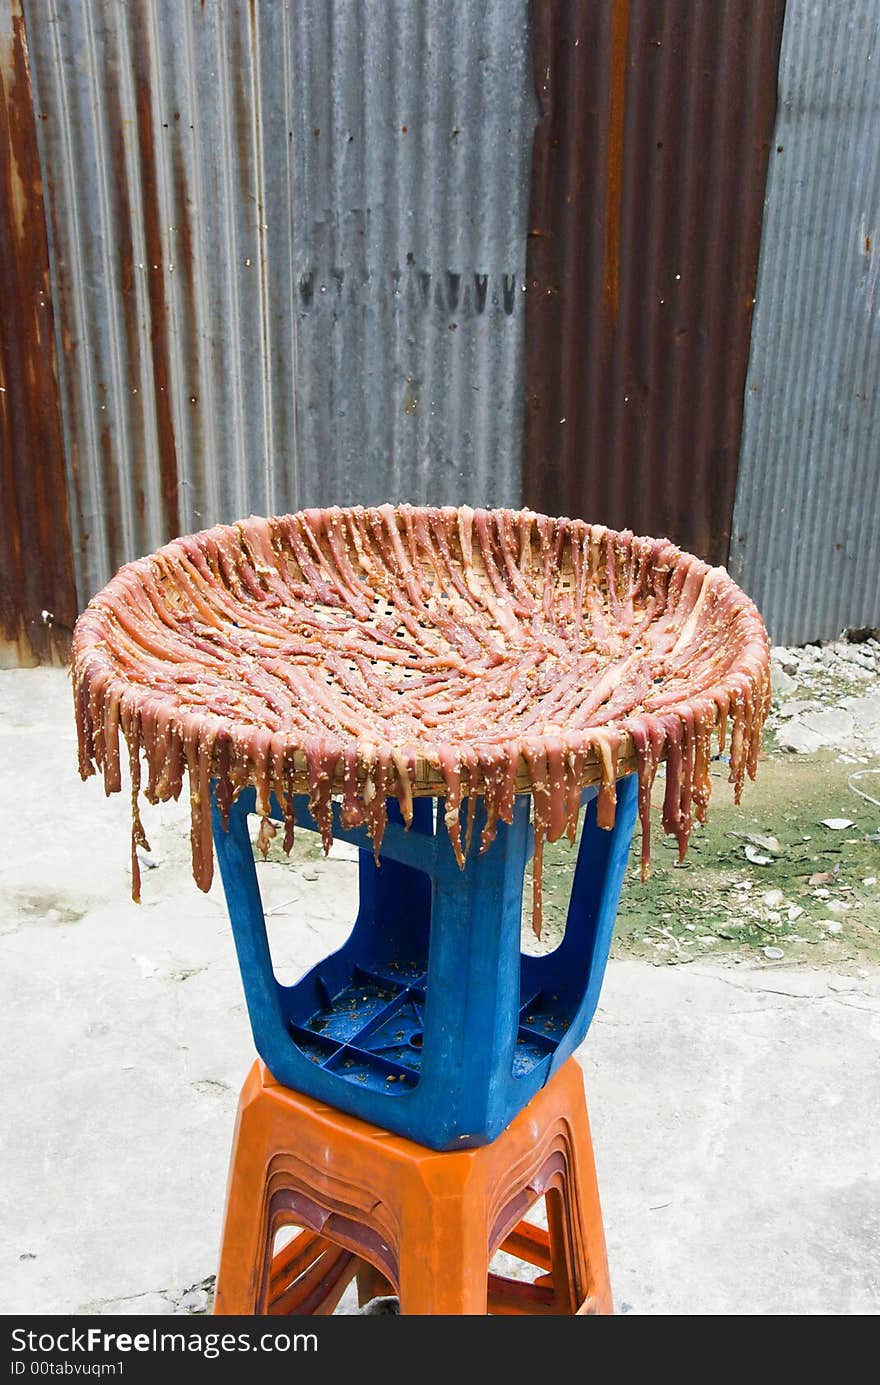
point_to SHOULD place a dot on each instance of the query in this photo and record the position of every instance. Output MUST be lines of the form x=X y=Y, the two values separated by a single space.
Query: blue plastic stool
x=429 y=1021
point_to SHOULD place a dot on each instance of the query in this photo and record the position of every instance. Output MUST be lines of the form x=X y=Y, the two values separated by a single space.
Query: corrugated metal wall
x=281 y=250
x=172 y=305
x=173 y=301
x=288 y=254
x=807 y=518
x=647 y=193
x=412 y=137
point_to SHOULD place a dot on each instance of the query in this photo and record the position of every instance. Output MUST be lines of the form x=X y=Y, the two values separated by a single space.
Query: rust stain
x=565 y=314
x=36 y=559
x=614 y=158
x=190 y=347
x=648 y=172
x=184 y=226
x=136 y=398
x=242 y=99
x=154 y=269
x=110 y=491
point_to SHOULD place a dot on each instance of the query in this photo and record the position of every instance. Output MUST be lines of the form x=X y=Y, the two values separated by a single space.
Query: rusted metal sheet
x=164 y=140
x=36 y=567
x=807 y=517
x=288 y=247
x=647 y=192
x=111 y=134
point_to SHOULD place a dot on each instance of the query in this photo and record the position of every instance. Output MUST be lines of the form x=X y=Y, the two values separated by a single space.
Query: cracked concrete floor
x=733 y=1109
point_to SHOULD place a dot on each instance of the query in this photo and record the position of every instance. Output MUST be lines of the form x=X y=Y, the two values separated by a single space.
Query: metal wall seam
x=807 y=517
x=647 y=192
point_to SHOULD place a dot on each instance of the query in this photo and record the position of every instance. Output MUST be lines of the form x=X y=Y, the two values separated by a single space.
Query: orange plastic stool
x=408 y=1220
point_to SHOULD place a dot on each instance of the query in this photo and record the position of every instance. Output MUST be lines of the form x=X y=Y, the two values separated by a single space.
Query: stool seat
x=429 y=1020
x=407 y=1220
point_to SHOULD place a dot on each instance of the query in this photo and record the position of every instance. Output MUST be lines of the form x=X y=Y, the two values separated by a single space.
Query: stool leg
x=577 y=1232
x=371 y=1283
x=444 y=1255
x=569 y=1272
x=245 y=1226
x=309 y=1276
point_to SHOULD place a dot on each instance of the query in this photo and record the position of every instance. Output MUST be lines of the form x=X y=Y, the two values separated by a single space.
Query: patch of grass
x=719 y=904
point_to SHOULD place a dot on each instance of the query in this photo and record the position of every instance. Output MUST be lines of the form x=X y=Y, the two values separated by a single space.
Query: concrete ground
x=734 y=1108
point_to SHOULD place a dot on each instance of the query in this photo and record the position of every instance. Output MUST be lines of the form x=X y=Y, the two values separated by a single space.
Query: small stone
x=870 y=880
x=834 y=726
x=763 y=842
x=798 y=738
x=380 y=1307
x=855 y=654
x=756 y=857
x=194 y=1301
x=780 y=681
x=838 y=906
x=865 y=712
x=795 y=705
x=837 y=824
x=309 y=873
x=773 y=899
x=832 y=925
x=794 y=913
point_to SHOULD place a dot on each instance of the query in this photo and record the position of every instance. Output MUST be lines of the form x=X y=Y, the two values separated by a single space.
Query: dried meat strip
x=368 y=653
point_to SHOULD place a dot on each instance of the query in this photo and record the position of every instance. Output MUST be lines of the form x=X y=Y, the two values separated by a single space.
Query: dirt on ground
x=809 y=893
